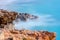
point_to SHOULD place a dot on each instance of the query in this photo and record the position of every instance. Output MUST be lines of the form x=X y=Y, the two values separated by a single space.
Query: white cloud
x=6 y=2
x=25 y=1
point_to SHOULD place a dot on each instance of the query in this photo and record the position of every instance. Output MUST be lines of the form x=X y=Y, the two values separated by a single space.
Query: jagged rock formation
x=25 y=16
x=7 y=31
x=7 y=17
x=28 y=35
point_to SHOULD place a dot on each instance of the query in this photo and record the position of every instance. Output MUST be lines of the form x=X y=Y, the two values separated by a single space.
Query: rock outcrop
x=25 y=16
x=28 y=35
x=8 y=32
x=7 y=17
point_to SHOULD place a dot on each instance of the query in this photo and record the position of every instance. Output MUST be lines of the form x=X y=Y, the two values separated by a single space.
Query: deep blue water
x=50 y=7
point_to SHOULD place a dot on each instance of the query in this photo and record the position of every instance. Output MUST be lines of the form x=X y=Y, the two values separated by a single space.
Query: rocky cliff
x=8 y=32
x=28 y=35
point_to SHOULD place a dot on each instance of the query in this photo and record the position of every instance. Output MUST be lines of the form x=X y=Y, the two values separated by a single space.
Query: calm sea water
x=50 y=7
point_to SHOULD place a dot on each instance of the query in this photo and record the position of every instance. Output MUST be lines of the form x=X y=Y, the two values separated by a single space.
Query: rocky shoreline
x=8 y=32
x=28 y=35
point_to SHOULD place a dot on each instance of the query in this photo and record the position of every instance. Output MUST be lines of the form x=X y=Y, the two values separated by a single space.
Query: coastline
x=8 y=32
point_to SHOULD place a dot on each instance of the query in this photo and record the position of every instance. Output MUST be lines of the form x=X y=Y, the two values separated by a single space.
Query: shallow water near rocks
x=47 y=10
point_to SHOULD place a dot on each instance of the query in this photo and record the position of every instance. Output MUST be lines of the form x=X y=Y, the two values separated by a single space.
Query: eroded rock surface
x=28 y=35
x=7 y=31
x=25 y=16
x=7 y=17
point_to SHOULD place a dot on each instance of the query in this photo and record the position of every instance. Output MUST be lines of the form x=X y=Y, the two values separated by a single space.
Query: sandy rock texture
x=28 y=35
x=7 y=17
x=8 y=32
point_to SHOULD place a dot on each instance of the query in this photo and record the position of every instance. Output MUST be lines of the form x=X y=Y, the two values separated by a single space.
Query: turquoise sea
x=48 y=10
